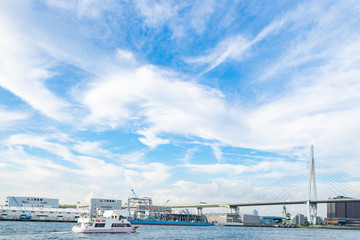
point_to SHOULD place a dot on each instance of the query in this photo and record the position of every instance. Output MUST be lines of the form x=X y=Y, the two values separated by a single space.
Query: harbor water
x=62 y=230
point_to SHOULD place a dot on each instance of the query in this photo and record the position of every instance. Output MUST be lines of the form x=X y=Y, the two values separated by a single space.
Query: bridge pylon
x=311 y=207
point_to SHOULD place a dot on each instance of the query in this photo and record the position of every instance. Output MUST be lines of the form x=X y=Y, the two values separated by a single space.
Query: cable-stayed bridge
x=292 y=185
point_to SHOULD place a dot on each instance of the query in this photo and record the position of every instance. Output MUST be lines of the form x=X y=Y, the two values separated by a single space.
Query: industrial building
x=40 y=202
x=344 y=213
x=233 y=219
x=298 y=219
x=100 y=204
x=270 y=220
x=40 y=214
x=47 y=209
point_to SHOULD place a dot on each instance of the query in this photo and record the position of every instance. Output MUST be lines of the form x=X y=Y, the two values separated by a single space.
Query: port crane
x=134 y=193
x=286 y=216
x=162 y=207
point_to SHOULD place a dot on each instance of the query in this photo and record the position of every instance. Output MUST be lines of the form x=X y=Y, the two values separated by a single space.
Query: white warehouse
x=12 y=201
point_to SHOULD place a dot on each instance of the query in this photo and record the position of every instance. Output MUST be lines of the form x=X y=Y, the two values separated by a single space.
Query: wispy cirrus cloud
x=182 y=18
x=157 y=13
x=24 y=69
x=9 y=118
x=83 y=8
x=235 y=47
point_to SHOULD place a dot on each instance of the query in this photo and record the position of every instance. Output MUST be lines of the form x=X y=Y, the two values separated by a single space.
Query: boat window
x=121 y=225
x=100 y=225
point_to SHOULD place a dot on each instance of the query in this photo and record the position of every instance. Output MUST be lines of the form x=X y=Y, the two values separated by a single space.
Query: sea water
x=61 y=230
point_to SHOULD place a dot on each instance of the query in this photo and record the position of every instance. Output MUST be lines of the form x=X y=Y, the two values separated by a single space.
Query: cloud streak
x=235 y=47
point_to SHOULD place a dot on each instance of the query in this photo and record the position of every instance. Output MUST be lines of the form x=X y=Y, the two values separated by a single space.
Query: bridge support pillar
x=311 y=207
x=199 y=211
x=234 y=209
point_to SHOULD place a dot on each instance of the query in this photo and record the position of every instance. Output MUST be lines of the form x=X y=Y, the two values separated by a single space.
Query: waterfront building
x=40 y=202
x=233 y=219
x=40 y=214
x=271 y=220
x=343 y=212
x=48 y=209
x=298 y=219
x=100 y=204
x=343 y=209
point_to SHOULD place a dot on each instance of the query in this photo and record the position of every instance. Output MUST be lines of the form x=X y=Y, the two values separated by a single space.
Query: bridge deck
x=245 y=204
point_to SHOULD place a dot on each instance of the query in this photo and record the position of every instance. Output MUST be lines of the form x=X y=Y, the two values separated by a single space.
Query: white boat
x=110 y=222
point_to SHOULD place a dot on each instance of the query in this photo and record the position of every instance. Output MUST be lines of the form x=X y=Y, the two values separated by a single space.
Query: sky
x=205 y=101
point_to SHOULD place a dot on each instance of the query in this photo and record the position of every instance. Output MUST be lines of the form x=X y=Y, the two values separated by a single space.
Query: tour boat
x=110 y=222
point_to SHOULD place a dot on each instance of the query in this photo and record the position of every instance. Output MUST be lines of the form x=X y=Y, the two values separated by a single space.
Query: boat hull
x=127 y=230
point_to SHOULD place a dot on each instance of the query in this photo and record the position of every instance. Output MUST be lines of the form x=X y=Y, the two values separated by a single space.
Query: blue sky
x=206 y=101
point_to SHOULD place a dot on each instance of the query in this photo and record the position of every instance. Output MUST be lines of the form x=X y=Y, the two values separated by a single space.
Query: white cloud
x=189 y=155
x=146 y=174
x=217 y=152
x=319 y=104
x=83 y=174
x=218 y=190
x=24 y=69
x=132 y=157
x=156 y=13
x=83 y=8
x=150 y=139
x=235 y=47
x=9 y=118
x=181 y=18
x=239 y=169
x=155 y=98
x=232 y=48
x=47 y=143
x=90 y=148
x=200 y=14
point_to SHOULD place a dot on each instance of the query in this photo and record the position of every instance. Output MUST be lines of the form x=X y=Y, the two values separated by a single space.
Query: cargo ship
x=173 y=223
